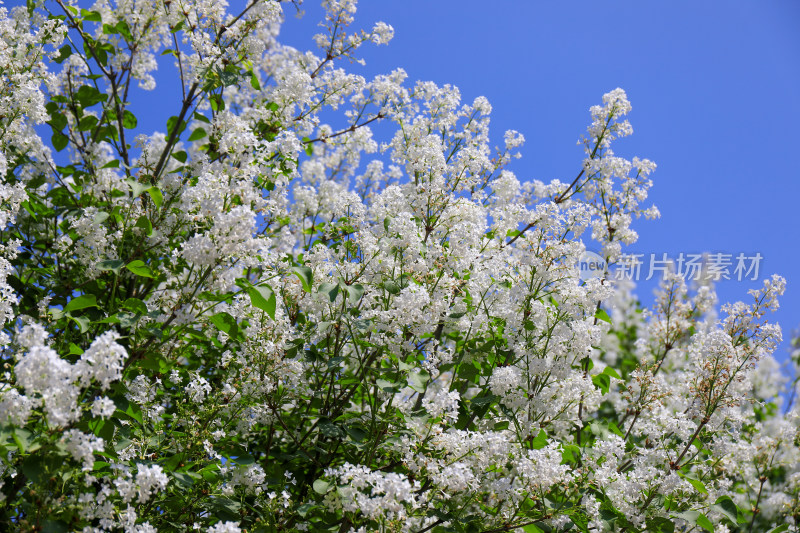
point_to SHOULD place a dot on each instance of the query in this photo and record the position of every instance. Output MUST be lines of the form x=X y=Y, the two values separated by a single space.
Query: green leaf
x=97 y=50
x=134 y=412
x=180 y=156
x=197 y=134
x=100 y=217
x=139 y=268
x=59 y=141
x=532 y=528
x=82 y=321
x=57 y=121
x=482 y=401
x=127 y=320
x=88 y=96
x=136 y=188
x=129 y=120
x=321 y=486
x=135 y=305
x=468 y=371
x=81 y=302
x=156 y=195
x=184 y=478
x=539 y=441
x=225 y=323
x=54 y=526
x=705 y=523
x=145 y=224
x=726 y=507
x=330 y=430
x=780 y=529
x=201 y=118
x=254 y=81
x=303 y=511
x=331 y=289
x=263 y=298
x=570 y=453
x=387 y=385
x=305 y=275
x=75 y=349
x=601 y=314
x=417 y=380
x=697 y=484
x=229 y=75
x=111 y=264
x=614 y=429
x=356 y=433
x=696 y=518
x=122 y=28
x=602 y=382
x=33 y=466
x=63 y=53
x=23 y=440
x=661 y=525
x=354 y=292
x=391 y=287
x=216 y=101
x=172 y=123
x=113 y=319
x=91 y=16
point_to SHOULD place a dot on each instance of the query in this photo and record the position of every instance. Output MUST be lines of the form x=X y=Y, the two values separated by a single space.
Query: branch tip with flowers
x=256 y=320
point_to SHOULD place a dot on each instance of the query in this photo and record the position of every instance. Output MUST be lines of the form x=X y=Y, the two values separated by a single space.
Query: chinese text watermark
x=691 y=267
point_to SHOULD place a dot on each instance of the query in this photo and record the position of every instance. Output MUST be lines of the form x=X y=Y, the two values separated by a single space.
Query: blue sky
x=715 y=88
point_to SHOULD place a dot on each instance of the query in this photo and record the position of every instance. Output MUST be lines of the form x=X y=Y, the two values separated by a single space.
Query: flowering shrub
x=268 y=318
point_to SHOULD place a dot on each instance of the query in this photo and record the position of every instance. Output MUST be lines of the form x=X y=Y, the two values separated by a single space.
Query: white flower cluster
x=377 y=495
x=225 y=527
x=53 y=382
x=387 y=314
x=83 y=446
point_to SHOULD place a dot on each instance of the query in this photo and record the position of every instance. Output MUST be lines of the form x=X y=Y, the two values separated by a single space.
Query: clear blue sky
x=715 y=88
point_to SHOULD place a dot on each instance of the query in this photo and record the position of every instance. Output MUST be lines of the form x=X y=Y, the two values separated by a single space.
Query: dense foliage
x=277 y=317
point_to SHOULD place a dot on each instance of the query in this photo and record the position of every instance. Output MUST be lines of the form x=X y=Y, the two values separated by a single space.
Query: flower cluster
x=276 y=316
